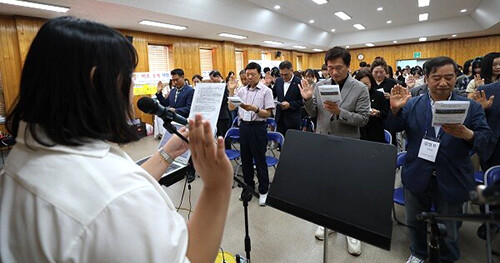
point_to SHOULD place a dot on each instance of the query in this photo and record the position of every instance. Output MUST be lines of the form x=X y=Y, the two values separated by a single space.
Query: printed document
x=330 y=93
x=207 y=101
x=449 y=112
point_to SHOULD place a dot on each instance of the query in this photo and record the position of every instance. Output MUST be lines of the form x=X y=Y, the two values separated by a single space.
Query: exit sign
x=417 y=55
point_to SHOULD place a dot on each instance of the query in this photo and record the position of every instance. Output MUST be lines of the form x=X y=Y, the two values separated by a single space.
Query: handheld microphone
x=151 y=106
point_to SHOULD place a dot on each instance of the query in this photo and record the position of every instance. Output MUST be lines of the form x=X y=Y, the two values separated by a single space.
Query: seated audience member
x=179 y=100
x=443 y=175
x=196 y=79
x=374 y=130
x=68 y=192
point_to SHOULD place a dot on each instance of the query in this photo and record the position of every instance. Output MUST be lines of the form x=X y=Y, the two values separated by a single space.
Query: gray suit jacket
x=354 y=109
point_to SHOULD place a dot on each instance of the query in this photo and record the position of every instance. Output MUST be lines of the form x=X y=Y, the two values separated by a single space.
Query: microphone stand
x=172 y=130
x=246 y=198
x=439 y=230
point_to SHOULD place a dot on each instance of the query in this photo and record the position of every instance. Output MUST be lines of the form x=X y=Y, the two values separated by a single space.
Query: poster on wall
x=145 y=82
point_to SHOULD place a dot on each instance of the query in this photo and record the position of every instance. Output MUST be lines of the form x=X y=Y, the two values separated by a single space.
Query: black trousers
x=253 y=144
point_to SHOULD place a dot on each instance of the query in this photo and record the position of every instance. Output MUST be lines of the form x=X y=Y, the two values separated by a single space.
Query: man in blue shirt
x=445 y=181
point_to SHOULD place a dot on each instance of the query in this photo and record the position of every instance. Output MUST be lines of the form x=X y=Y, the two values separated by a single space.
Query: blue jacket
x=182 y=105
x=453 y=167
x=492 y=157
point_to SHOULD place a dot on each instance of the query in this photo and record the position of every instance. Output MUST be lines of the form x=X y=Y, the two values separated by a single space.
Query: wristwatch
x=165 y=156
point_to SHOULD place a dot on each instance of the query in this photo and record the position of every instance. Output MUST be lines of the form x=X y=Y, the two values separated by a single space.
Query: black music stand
x=340 y=183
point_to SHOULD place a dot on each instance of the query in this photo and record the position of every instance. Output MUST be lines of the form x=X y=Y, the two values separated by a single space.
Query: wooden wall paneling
x=228 y=54
x=27 y=28
x=10 y=61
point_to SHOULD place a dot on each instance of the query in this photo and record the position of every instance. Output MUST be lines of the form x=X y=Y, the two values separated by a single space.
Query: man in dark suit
x=179 y=100
x=445 y=180
x=287 y=92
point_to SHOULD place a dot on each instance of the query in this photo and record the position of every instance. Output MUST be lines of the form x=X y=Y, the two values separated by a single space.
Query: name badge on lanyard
x=428 y=149
x=247 y=116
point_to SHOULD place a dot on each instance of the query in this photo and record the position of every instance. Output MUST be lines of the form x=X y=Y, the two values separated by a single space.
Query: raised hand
x=231 y=86
x=209 y=159
x=411 y=82
x=399 y=97
x=159 y=86
x=478 y=80
x=480 y=97
x=306 y=90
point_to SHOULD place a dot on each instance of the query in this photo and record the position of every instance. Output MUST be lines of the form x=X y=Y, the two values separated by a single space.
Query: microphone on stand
x=151 y=106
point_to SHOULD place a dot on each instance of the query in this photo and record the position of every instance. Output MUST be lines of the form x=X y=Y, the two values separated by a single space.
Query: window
x=206 y=63
x=239 y=62
x=299 y=63
x=158 y=57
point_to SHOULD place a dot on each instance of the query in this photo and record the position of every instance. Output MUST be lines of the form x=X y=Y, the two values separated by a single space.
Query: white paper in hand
x=449 y=112
x=236 y=101
x=330 y=93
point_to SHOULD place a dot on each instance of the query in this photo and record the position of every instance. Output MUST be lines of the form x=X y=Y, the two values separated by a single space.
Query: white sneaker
x=353 y=246
x=413 y=259
x=320 y=233
x=262 y=199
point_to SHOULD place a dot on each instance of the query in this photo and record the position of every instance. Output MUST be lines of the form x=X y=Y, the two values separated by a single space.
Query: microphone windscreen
x=147 y=105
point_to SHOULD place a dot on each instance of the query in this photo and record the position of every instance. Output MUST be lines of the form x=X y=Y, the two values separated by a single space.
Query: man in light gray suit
x=340 y=119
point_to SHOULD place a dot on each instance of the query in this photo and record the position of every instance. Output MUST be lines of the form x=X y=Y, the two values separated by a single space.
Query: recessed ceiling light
x=311 y=21
x=342 y=15
x=164 y=25
x=380 y=9
x=59 y=9
x=333 y=30
x=320 y=2
x=317 y=49
x=422 y=39
x=300 y=47
x=369 y=44
x=395 y=41
x=347 y=46
x=423 y=17
x=389 y=21
x=232 y=36
x=359 y=26
x=423 y=3
x=463 y=10
x=273 y=42
x=277 y=7
x=453 y=35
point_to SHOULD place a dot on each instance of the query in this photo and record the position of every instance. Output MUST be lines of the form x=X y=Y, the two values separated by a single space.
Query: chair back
x=232 y=132
x=400 y=160
x=271 y=122
x=492 y=175
x=277 y=137
x=235 y=122
x=388 y=137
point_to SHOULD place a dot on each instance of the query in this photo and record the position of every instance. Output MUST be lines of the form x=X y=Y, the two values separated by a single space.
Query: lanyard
x=248 y=94
x=428 y=121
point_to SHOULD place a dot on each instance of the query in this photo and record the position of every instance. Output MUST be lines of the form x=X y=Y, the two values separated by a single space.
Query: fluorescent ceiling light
x=277 y=7
x=395 y=41
x=369 y=44
x=342 y=15
x=47 y=7
x=311 y=21
x=463 y=10
x=359 y=26
x=232 y=36
x=159 y=24
x=423 y=17
x=300 y=47
x=389 y=21
x=333 y=30
x=380 y=9
x=318 y=49
x=347 y=46
x=422 y=39
x=453 y=35
x=423 y=3
x=320 y=2
x=273 y=42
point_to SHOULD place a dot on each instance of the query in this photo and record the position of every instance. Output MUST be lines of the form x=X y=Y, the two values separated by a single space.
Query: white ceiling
x=259 y=21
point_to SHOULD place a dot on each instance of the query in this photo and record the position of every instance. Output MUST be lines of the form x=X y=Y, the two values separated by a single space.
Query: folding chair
x=399 y=193
x=271 y=124
x=388 y=137
x=233 y=154
x=491 y=176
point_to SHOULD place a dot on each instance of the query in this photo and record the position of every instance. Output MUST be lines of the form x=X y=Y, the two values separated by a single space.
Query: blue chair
x=491 y=176
x=235 y=122
x=478 y=175
x=388 y=137
x=271 y=124
x=277 y=137
x=399 y=193
x=233 y=154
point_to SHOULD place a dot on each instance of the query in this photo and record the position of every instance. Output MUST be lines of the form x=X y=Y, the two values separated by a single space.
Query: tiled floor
x=280 y=237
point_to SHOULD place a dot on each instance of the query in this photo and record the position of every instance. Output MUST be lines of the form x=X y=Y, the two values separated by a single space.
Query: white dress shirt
x=286 y=85
x=84 y=204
